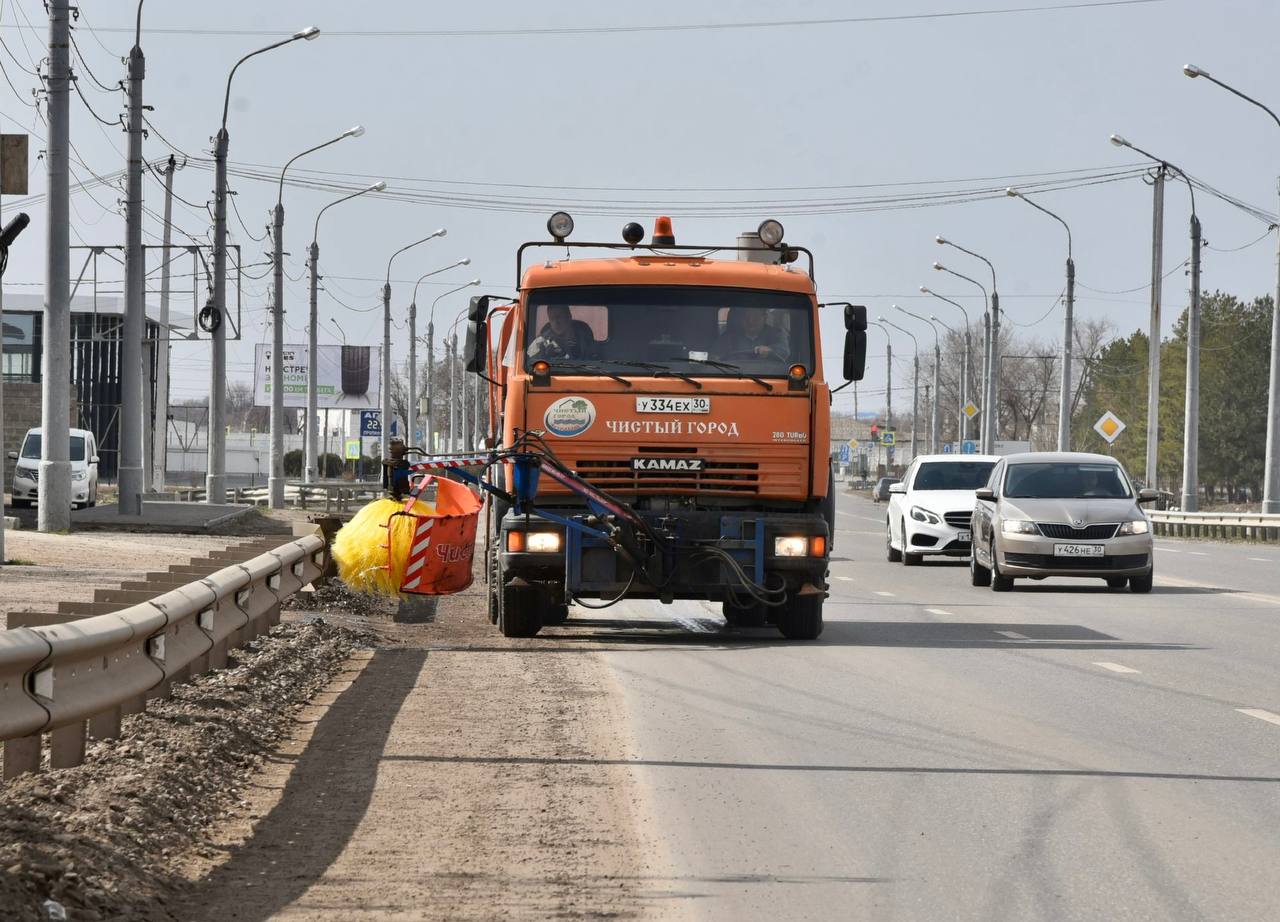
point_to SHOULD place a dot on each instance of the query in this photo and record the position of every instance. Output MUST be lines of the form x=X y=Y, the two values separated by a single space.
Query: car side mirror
x=855 y=341
x=898 y=488
x=1148 y=496
x=93 y=460
x=985 y=493
x=13 y=456
x=475 y=350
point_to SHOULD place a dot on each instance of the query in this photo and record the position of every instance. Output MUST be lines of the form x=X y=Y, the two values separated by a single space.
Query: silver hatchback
x=1061 y=514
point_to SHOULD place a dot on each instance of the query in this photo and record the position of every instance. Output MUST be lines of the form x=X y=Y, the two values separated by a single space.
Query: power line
x=670 y=27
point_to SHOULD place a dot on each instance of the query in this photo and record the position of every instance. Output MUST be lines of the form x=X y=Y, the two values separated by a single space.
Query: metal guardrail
x=64 y=679
x=1248 y=526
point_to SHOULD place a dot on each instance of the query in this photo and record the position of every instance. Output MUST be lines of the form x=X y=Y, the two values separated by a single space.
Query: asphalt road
x=1063 y=751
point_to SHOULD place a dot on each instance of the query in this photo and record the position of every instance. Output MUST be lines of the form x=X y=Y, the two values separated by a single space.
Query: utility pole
x=1191 y=419
x=1068 y=337
x=385 y=429
x=55 y=392
x=160 y=432
x=453 y=392
x=1153 y=346
x=429 y=427
x=130 y=471
x=311 y=463
x=983 y=445
x=275 y=478
x=411 y=405
x=935 y=424
x=216 y=478
x=962 y=422
x=1271 y=470
x=993 y=383
x=888 y=385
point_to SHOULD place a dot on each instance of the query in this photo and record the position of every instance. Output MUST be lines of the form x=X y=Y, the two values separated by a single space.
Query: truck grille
x=716 y=477
x=1071 y=533
x=960 y=520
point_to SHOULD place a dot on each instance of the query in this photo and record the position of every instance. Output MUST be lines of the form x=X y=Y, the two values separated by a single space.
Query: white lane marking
x=1197 y=553
x=1116 y=667
x=937 y=611
x=1171 y=550
x=845 y=579
x=889 y=594
x=1231 y=594
x=1013 y=635
x=1261 y=715
x=1260 y=559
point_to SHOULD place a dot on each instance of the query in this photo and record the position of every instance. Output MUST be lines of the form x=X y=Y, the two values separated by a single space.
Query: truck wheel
x=495 y=580
x=978 y=574
x=752 y=615
x=519 y=611
x=890 y=552
x=801 y=617
x=554 y=612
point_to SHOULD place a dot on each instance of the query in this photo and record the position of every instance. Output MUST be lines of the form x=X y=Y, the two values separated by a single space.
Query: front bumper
x=1032 y=555
x=944 y=539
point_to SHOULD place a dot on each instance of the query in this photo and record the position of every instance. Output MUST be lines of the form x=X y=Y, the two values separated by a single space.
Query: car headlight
x=1136 y=527
x=1019 y=527
x=921 y=514
x=79 y=475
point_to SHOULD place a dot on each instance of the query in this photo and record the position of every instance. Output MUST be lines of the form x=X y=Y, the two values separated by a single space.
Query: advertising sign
x=370 y=423
x=346 y=376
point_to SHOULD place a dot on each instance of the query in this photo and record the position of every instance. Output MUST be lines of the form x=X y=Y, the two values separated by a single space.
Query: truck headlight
x=791 y=546
x=920 y=514
x=1136 y=527
x=1019 y=527
x=542 y=542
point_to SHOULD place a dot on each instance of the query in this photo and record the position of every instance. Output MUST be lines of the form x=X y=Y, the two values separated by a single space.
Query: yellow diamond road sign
x=971 y=409
x=853 y=444
x=1109 y=426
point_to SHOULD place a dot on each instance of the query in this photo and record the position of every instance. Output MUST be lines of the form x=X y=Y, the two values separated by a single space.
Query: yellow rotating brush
x=360 y=546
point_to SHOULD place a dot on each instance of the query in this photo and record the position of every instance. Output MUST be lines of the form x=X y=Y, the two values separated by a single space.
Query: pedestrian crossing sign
x=971 y=409
x=1109 y=426
x=888 y=438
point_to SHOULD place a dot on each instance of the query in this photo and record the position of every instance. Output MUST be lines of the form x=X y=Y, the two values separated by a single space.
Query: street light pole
x=1068 y=333
x=313 y=340
x=431 y=355
x=385 y=428
x=962 y=421
x=915 y=385
x=1271 y=470
x=213 y=318
x=987 y=365
x=935 y=425
x=411 y=423
x=275 y=479
x=992 y=395
x=888 y=381
x=129 y=474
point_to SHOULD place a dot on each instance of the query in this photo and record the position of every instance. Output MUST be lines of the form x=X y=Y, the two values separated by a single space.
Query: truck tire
x=801 y=617
x=519 y=611
x=752 y=615
x=494 y=581
x=554 y=612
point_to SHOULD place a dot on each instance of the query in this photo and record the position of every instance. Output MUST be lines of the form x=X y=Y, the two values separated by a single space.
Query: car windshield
x=1065 y=480
x=657 y=330
x=952 y=475
x=31 y=447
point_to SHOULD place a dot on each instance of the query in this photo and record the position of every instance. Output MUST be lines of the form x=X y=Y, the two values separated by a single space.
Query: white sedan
x=930 y=511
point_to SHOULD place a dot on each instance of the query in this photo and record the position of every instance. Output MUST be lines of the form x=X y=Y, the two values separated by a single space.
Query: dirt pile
x=107 y=839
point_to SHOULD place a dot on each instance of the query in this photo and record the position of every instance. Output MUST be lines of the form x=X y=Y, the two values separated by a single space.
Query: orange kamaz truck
x=683 y=385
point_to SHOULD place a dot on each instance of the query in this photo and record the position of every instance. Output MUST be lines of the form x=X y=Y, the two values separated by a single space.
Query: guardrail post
x=21 y=756
x=66 y=746
x=135 y=705
x=105 y=725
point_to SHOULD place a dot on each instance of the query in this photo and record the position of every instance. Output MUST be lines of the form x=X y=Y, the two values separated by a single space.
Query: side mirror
x=1148 y=496
x=476 y=348
x=855 y=341
x=93 y=460
x=985 y=493
x=898 y=488
x=13 y=456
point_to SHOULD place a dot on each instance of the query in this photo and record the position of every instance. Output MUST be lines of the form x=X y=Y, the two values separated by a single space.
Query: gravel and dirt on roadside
x=438 y=771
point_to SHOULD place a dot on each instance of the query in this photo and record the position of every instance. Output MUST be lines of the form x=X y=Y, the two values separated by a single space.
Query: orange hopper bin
x=439 y=558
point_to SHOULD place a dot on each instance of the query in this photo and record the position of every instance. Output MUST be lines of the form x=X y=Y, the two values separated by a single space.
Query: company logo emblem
x=1079 y=523
x=682 y=465
x=569 y=417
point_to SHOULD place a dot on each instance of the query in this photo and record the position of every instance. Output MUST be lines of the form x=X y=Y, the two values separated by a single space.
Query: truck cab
x=686 y=387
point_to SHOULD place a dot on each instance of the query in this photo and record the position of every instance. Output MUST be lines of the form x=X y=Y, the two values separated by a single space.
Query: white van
x=84 y=469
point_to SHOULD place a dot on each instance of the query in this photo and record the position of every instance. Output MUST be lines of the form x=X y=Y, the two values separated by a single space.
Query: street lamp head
x=473 y=282
x=1192 y=71
x=938 y=267
x=308 y=33
x=377 y=186
x=1119 y=141
x=880 y=320
x=464 y=261
x=1012 y=192
x=440 y=232
x=939 y=239
x=925 y=291
x=354 y=132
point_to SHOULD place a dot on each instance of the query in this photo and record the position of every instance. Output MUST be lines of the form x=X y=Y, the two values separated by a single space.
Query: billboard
x=346 y=376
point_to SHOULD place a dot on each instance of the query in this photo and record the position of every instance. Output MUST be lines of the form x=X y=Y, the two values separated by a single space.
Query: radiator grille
x=960 y=520
x=1071 y=533
x=615 y=474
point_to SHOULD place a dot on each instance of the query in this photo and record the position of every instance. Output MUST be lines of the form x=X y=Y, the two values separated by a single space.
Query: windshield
x=952 y=475
x=646 y=329
x=31 y=447
x=1065 y=480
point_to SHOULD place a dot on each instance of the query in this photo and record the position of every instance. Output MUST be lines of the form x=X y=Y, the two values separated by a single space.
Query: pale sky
x=618 y=126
